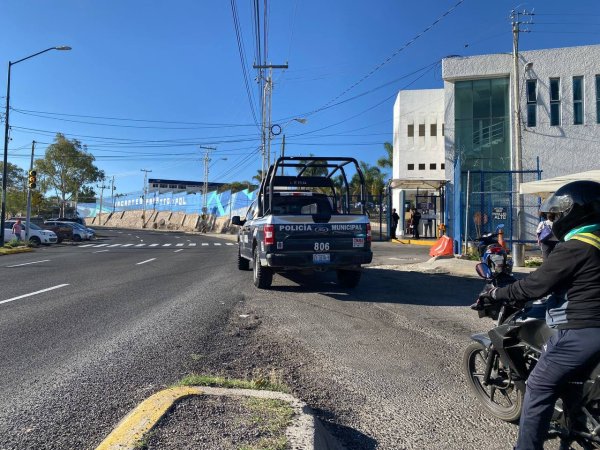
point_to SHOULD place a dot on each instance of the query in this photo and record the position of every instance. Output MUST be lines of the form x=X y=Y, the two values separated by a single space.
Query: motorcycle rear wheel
x=500 y=397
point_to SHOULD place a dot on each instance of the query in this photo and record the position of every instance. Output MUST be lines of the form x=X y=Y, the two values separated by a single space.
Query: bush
x=13 y=243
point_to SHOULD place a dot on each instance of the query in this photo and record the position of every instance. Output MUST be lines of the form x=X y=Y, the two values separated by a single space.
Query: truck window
x=301 y=205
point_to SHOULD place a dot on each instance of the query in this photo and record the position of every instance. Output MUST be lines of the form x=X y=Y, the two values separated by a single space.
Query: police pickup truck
x=305 y=222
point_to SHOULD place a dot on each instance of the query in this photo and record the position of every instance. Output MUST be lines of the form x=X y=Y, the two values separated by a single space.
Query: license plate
x=321 y=258
x=358 y=242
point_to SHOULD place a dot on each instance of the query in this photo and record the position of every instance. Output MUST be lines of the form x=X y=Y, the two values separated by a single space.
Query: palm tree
x=316 y=171
x=388 y=161
x=259 y=176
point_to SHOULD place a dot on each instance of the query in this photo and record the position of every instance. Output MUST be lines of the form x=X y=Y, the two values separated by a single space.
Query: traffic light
x=32 y=179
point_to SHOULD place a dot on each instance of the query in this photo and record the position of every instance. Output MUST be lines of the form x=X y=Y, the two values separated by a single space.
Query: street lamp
x=6 y=128
x=277 y=129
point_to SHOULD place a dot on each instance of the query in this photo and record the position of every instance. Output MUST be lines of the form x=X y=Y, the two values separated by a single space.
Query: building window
x=421 y=166
x=577 y=100
x=442 y=129
x=433 y=129
x=531 y=103
x=443 y=166
x=432 y=166
x=411 y=130
x=411 y=167
x=597 y=98
x=554 y=101
x=422 y=129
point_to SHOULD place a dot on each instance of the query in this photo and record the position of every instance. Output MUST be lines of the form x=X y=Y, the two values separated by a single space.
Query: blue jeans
x=565 y=353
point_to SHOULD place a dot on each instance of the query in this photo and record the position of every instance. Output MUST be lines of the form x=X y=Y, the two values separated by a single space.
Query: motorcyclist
x=571 y=274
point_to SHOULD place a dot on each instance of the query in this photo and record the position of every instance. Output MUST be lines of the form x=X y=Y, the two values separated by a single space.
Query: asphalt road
x=88 y=331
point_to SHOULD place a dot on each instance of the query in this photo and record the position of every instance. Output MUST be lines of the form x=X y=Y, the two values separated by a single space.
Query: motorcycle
x=487 y=239
x=498 y=363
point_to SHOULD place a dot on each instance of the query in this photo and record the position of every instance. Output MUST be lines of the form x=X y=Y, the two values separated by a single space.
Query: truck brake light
x=269 y=237
x=368 y=232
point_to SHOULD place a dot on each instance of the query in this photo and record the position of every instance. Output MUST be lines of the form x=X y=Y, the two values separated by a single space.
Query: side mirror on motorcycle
x=484 y=271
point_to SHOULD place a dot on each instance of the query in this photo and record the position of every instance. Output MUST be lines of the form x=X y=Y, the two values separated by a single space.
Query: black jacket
x=572 y=275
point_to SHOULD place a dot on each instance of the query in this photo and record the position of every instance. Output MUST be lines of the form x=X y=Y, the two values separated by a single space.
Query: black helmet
x=575 y=204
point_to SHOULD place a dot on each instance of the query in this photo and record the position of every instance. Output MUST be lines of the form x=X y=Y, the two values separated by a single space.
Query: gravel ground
x=216 y=423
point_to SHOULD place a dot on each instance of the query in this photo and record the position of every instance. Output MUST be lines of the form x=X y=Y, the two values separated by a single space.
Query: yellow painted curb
x=415 y=242
x=144 y=417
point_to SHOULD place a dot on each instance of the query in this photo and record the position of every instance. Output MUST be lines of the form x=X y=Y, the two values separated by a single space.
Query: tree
x=67 y=167
x=259 y=176
x=237 y=186
x=16 y=178
x=374 y=180
x=387 y=162
x=316 y=171
x=86 y=194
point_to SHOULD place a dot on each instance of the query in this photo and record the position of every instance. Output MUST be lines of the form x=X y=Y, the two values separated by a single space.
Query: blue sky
x=147 y=83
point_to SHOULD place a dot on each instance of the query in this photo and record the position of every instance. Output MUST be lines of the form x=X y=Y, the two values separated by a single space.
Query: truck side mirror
x=235 y=220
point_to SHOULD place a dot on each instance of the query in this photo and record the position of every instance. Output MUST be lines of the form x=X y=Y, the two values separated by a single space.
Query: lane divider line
x=33 y=293
x=144 y=262
x=192 y=244
x=26 y=264
x=86 y=245
x=177 y=251
x=100 y=245
x=179 y=245
x=101 y=251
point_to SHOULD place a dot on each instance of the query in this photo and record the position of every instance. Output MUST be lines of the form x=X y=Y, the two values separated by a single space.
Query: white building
x=560 y=128
x=419 y=159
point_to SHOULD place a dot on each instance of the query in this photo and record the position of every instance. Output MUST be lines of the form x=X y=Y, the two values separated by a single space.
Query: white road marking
x=229 y=243
x=127 y=245
x=114 y=245
x=144 y=262
x=166 y=245
x=26 y=264
x=101 y=251
x=33 y=293
x=137 y=237
x=192 y=244
x=179 y=245
x=152 y=245
x=204 y=243
x=217 y=243
x=86 y=245
x=140 y=245
x=180 y=250
x=100 y=245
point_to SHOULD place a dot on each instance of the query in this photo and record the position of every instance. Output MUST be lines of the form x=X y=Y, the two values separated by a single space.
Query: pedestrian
x=16 y=229
x=572 y=278
x=415 y=219
x=429 y=228
x=546 y=239
x=395 y=220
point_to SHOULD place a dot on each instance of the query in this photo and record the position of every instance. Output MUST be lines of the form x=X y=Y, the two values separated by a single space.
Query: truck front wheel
x=348 y=278
x=263 y=276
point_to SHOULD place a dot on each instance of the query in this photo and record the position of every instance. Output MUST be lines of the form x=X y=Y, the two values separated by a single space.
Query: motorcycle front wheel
x=499 y=397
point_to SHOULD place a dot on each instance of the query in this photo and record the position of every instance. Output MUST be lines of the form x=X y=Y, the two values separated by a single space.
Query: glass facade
x=482 y=139
x=482 y=124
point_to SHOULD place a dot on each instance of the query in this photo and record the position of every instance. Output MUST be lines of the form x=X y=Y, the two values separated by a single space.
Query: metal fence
x=489 y=200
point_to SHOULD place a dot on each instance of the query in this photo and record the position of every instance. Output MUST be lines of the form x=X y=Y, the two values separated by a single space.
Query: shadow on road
x=389 y=286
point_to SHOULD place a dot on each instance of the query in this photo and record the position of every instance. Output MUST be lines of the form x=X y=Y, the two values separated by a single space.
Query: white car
x=37 y=235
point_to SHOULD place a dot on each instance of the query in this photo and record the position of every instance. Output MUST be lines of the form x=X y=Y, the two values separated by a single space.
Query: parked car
x=37 y=235
x=91 y=233
x=78 y=233
x=79 y=220
x=63 y=232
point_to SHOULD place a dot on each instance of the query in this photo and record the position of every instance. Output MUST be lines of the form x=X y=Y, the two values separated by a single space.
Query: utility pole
x=205 y=186
x=266 y=113
x=144 y=191
x=101 y=197
x=282 y=151
x=29 y=189
x=517 y=159
x=112 y=193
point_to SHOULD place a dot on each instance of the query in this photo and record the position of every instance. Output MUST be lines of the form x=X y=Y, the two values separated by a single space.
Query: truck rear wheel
x=348 y=278
x=263 y=276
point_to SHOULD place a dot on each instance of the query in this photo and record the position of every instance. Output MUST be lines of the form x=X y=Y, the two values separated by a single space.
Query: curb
x=414 y=242
x=305 y=432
